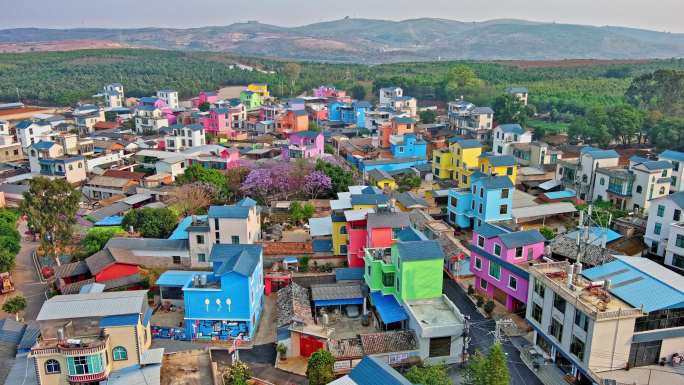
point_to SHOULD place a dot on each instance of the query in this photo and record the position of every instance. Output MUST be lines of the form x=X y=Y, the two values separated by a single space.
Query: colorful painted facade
x=491 y=164
x=259 y=88
x=349 y=113
x=251 y=100
x=499 y=260
x=408 y=146
x=303 y=144
x=489 y=199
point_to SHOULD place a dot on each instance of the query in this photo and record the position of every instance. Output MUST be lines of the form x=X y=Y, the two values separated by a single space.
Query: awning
x=388 y=308
x=548 y=185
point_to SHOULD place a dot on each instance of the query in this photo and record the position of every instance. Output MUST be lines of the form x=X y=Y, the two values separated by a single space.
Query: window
x=217 y=235
x=483 y=284
x=664 y=174
x=679 y=241
x=556 y=329
x=656 y=228
x=200 y=239
x=395 y=232
x=52 y=367
x=518 y=252
x=662 y=190
x=584 y=178
x=504 y=193
x=581 y=320
x=503 y=209
x=201 y=257
x=495 y=270
x=482 y=192
x=512 y=283
x=216 y=224
x=388 y=279
x=453 y=201
x=509 y=171
x=577 y=348
x=673 y=179
x=539 y=288
x=661 y=211
x=537 y=313
x=235 y=239
x=497 y=249
x=176 y=259
x=638 y=189
x=480 y=241
x=119 y=353
x=480 y=208
x=440 y=347
x=472 y=205
x=677 y=214
x=559 y=303
x=478 y=264
x=602 y=181
x=343 y=230
x=678 y=261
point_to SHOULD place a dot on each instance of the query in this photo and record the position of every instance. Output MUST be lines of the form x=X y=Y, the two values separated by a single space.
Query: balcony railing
x=85 y=347
x=84 y=378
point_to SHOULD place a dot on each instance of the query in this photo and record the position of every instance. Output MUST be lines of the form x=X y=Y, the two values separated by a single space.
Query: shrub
x=304 y=264
x=547 y=233
x=471 y=290
x=489 y=307
x=480 y=301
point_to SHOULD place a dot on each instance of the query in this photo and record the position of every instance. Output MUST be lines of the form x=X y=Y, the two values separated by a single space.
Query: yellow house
x=491 y=164
x=259 y=88
x=382 y=179
x=442 y=163
x=465 y=156
x=85 y=338
x=339 y=235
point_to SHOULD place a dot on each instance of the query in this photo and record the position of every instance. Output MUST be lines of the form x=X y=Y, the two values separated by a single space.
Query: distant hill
x=378 y=41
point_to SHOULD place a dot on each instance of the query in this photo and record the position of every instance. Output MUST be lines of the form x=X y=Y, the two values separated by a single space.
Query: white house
x=662 y=214
x=519 y=92
x=388 y=94
x=170 y=97
x=114 y=95
x=86 y=116
x=29 y=132
x=506 y=135
x=468 y=119
x=580 y=173
x=180 y=137
x=149 y=118
x=677 y=176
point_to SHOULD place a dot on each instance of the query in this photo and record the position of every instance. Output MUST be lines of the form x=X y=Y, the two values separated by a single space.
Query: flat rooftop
x=591 y=297
x=435 y=312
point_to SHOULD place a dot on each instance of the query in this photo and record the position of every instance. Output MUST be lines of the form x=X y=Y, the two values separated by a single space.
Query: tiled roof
x=287 y=248
x=388 y=342
x=124 y=174
x=521 y=238
x=293 y=304
x=241 y=259
x=378 y=175
x=99 y=261
x=71 y=269
x=419 y=250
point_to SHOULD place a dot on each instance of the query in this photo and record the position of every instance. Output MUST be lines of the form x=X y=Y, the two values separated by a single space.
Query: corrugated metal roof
x=373 y=371
x=419 y=250
x=175 y=278
x=136 y=375
x=349 y=274
x=521 y=238
x=388 y=308
x=242 y=259
x=658 y=288
x=393 y=220
x=93 y=305
x=119 y=320
x=335 y=292
x=674 y=155
x=320 y=226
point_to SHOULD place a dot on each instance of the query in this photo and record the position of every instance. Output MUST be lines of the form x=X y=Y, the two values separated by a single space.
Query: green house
x=408 y=270
x=251 y=100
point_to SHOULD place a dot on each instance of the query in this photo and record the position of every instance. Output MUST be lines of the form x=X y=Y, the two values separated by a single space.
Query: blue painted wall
x=391 y=167
x=490 y=202
x=411 y=147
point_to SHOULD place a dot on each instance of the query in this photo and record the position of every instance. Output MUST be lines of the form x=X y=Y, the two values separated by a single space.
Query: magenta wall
x=357 y=242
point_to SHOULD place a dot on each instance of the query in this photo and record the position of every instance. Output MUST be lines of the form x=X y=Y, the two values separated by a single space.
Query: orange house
x=399 y=126
x=292 y=121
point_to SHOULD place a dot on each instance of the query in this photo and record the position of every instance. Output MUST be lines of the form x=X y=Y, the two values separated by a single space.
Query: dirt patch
x=61 y=45
x=311 y=43
x=191 y=367
x=230 y=92
x=567 y=63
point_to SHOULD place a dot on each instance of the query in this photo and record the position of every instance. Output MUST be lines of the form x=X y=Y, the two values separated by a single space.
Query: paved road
x=481 y=339
x=26 y=278
x=261 y=359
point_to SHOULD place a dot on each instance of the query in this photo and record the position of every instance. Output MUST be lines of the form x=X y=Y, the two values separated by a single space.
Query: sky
x=659 y=15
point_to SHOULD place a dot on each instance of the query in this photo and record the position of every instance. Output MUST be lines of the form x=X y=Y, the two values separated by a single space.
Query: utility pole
x=466 y=332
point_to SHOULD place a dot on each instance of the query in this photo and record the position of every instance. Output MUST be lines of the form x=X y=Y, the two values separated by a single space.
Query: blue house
x=227 y=302
x=354 y=113
x=408 y=146
x=489 y=199
x=389 y=165
x=372 y=371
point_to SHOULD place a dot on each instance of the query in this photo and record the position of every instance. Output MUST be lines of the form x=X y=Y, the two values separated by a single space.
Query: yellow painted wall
x=486 y=168
x=337 y=238
x=386 y=183
x=443 y=169
x=261 y=89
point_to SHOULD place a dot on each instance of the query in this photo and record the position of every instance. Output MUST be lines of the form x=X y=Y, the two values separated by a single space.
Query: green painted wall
x=421 y=279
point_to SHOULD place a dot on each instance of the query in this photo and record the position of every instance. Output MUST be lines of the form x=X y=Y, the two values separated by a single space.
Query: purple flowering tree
x=258 y=184
x=316 y=182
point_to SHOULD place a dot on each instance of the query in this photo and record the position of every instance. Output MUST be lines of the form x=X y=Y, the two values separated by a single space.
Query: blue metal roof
x=657 y=164
x=175 y=278
x=349 y=274
x=322 y=245
x=241 y=259
x=119 y=320
x=677 y=198
x=419 y=250
x=181 y=231
x=489 y=231
x=147 y=316
x=232 y=211
x=112 y=220
x=596 y=235
x=521 y=238
x=469 y=143
x=565 y=194
x=410 y=234
x=598 y=153
x=674 y=155
x=43 y=145
x=512 y=128
x=494 y=182
x=23 y=124
x=640 y=282
x=373 y=371
x=499 y=160
x=388 y=308
x=369 y=199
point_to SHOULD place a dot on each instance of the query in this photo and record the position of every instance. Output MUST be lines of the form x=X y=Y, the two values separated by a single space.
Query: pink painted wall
x=380 y=237
x=509 y=255
x=313 y=148
x=358 y=237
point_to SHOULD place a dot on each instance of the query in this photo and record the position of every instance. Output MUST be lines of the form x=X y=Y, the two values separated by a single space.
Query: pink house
x=304 y=144
x=204 y=97
x=368 y=229
x=499 y=260
x=328 y=92
x=160 y=104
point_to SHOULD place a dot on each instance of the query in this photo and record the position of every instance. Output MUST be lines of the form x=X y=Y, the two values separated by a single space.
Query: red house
x=370 y=229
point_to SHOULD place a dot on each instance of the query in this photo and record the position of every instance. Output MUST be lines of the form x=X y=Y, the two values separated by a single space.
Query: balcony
x=71 y=347
x=85 y=378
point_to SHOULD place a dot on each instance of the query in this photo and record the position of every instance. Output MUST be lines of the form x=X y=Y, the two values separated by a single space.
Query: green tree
x=217 y=180
x=547 y=233
x=340 y=178
x=329 y=149
x=204 y=106
x=238 y=374
x=476 y=371
x=409 y=181
x=428 y=375
x=358 y=92
x=7 y=260
x=497 y=366
x=301 y=213
x=428 y=116
x=97 y=238
x=509 y=109
x=51 y=206
x=151 y=222
x=292 y=72
x=624 y=121
x=662 y=90
x=319 y=368
x=14 y=305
